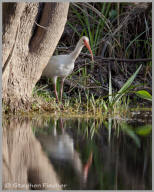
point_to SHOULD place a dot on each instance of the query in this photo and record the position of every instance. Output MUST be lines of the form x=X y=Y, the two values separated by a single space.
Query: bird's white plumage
x=63 y=65
x=59 y=66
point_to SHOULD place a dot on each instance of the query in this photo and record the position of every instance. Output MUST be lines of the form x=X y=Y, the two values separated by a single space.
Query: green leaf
x=131 y=133
x=104 y=105
x=125 y=87
x=110 y=88
x=134 y=40
x=144 y=95
x=144 y=130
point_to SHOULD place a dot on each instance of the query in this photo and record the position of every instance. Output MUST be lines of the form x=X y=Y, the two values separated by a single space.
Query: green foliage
x=110 y=89
x=144 y=130
x=131 y=133
x=92 y=21
x=134 y=40
x=144 y=95
x=114 y=99
x=40 y=91
x=126 y=86
x=99 y=22
x=89 y=127
x=110 y=28
x=116 y=103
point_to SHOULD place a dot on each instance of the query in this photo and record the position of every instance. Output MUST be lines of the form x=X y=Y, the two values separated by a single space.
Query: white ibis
x=63 y=65
x=60 y=146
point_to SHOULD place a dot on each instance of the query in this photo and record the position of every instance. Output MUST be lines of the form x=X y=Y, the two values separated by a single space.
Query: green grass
x=110 y=36
x=112 y=104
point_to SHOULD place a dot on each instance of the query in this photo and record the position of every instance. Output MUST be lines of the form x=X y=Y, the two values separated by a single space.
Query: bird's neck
x=76 y=51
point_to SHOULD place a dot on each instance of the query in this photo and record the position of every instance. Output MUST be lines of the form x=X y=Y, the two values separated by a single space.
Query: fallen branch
x=127 y=60
x=83 y=88
x=119 y=59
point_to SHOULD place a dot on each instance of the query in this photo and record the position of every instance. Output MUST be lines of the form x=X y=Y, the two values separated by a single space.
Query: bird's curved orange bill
x=88 y=47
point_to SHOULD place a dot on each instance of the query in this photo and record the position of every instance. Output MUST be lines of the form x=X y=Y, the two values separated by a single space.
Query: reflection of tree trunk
x=23 y=159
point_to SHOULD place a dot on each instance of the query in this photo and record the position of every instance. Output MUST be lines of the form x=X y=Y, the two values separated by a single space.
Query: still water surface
x=77 y=153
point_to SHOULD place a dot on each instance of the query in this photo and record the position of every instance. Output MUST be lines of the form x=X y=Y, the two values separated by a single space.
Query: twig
x=41 y=26
x=119 y=59
x=74 y=84
x=127 y=60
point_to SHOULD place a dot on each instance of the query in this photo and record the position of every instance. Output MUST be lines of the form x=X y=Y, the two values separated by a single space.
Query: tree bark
x=27 y=47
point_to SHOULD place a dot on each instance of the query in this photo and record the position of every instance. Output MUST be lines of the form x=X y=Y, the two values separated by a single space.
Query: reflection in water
x=60 y=147
x=86 y=154
x=25 y=165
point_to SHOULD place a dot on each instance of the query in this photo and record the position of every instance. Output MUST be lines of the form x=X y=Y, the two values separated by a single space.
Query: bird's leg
x=55 y=82
x=61 y=89
x=56 y=93
x=87 y=167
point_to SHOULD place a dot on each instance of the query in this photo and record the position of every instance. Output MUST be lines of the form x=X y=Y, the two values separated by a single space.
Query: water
x=78 y=153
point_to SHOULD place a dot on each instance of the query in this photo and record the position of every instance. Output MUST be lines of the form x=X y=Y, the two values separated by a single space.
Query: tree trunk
x=28 y=47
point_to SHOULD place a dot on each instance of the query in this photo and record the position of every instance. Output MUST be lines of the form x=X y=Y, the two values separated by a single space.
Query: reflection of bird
x=63 y=65
x=61 y=147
